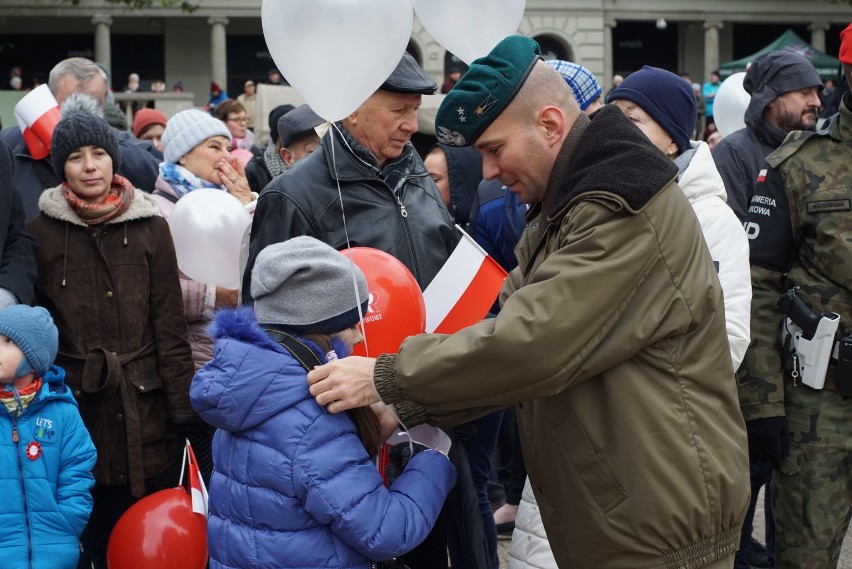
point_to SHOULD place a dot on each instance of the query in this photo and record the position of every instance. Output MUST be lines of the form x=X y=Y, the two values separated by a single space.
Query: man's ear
x=286 y=156
x=353 y=118
x=552 y=120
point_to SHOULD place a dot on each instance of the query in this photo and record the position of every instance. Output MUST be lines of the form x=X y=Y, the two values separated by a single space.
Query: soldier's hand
x=768 y=440
x=344 y=384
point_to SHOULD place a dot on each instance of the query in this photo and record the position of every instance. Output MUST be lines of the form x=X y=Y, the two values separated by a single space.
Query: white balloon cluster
x=336 y=53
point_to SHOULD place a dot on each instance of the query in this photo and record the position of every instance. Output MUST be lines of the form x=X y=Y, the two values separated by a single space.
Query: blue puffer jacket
x=45 y=501
x=292 y=485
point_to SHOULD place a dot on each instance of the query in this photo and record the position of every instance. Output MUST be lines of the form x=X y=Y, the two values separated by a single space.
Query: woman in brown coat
x=107 y=273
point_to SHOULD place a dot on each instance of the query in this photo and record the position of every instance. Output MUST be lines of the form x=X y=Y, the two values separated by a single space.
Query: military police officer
x=812 y=485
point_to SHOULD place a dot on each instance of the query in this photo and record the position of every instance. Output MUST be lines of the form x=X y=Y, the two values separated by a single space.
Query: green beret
x=485 y=90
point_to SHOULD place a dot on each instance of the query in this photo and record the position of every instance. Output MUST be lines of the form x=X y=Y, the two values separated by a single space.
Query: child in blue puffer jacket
x=46 y=454
x=293 y=485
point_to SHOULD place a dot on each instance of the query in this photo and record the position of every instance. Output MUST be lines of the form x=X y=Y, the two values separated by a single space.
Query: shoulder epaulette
x=790 y=146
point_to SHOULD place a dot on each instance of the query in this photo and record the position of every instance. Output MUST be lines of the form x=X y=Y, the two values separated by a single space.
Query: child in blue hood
x=46 y=454
x=294 y=485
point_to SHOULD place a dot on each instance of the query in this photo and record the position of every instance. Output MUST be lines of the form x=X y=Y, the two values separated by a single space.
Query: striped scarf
x=16 y=400
x=117 y=201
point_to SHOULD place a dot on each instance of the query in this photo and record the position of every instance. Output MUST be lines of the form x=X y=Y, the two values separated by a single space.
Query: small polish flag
x=198 y=489
x=37 y=115
x=761 y=176
x=464 y=289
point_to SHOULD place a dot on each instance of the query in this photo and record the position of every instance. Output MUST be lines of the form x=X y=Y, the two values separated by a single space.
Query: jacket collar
x=699 y=178
x=609 y=157
x=53 y=205
x=348 y=160
x=841 y=123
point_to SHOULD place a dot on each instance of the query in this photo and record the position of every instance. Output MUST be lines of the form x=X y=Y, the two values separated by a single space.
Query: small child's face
x=351 y=336
x=10 y=358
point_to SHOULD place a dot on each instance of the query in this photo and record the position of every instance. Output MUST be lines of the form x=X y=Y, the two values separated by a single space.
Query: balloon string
x=182 y=465
x=333 y=128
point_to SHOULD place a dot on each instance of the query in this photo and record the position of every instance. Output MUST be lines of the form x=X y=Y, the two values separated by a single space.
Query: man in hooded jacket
x=784 y=89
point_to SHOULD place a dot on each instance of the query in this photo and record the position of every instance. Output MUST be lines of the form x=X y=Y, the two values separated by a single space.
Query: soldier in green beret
x=611 y=338
x=811 y=221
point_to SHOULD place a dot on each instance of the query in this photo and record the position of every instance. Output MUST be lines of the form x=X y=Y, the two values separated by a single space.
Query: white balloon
x=469 y=28
x=426 y=435
x=207 y=228
x=729 y=105
x=336 y=53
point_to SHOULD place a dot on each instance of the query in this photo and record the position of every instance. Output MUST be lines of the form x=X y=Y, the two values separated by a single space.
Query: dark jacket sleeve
x=276 y=219
x=257 y=174
x=140 y=161
x=735 y=175
x=174 y=355
x=17 y=265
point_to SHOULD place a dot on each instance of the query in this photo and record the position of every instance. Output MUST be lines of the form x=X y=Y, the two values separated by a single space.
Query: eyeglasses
x=238 y=119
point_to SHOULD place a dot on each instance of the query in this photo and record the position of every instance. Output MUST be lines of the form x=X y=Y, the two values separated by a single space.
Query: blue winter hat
x=582 y=82
x=666 y=97
x=33 y=331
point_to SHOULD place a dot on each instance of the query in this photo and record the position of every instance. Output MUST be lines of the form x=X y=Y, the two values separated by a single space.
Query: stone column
x=218 y=51
x=609 y=50
x=102 y=22
x=711 y=46
x=818 y=30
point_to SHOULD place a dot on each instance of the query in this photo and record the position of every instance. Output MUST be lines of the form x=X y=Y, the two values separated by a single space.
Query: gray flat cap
x=409 y=78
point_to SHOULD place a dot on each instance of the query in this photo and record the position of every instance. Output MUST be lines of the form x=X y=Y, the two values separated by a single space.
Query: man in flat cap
x=611 y=338
x=389 y=200
x=809 y=229
x=297 y=135
x=390 y=203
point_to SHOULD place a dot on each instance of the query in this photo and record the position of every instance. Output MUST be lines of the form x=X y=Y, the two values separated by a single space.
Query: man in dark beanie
x=802 y=422
x=784 y=89
x=611 y=336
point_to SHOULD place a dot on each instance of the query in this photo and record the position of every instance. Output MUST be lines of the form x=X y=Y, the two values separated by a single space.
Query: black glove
x=768 y=440
x=399 y=456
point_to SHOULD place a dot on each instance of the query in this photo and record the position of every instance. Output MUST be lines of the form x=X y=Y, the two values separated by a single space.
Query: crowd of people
x=673 y=335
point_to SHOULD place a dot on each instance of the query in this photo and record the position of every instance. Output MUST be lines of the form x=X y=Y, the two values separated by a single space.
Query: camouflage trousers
x=812 y=491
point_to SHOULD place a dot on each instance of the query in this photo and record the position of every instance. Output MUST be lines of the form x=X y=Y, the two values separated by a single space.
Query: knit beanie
x=33 y=331
x=306 y=286
x=79 y=128
x=145 y=118
x=582 y=82
x=667 y=98
x=188 y=129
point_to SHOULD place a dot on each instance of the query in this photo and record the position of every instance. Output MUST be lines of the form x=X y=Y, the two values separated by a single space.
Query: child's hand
x=386 y=414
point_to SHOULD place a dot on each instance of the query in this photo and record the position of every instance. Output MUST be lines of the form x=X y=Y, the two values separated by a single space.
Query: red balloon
x=161 y=531
x=396 y=309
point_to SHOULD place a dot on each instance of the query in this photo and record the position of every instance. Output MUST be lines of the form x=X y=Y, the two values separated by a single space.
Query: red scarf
x=117 y=201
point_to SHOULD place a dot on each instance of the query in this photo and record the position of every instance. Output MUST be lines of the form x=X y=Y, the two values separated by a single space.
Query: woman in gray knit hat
x=108 y=275
x=197 y=155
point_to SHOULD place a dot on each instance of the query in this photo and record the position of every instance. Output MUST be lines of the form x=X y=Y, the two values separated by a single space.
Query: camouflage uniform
x=812 y=490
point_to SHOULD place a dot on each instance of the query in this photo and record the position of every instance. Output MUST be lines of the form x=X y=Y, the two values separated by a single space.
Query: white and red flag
x=37 y=115
x=464 y=289
x=197 y=488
